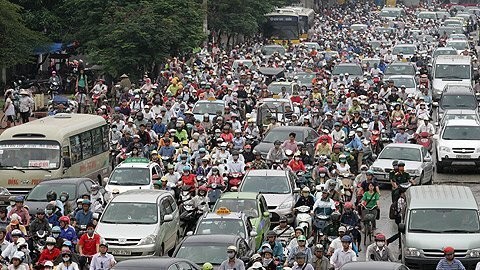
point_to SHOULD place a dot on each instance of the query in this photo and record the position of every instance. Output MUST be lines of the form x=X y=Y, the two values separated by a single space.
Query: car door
x=250 y=229
x=427 y=164
x=164 y=231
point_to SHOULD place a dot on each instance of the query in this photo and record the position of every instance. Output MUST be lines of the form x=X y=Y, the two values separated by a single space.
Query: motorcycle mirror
x=189 y=233
x=296 y=190
x=435 y=137
x=253 y=233
x=374 y=156
x=266 y=214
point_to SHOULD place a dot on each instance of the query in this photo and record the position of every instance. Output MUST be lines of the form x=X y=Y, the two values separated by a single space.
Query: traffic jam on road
x=292 y=153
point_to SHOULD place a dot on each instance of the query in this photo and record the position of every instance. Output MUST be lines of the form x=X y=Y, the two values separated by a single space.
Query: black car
x=307 y=135
x=156 y=263
x=211 y=248
x=373 y=265
x=75 y=187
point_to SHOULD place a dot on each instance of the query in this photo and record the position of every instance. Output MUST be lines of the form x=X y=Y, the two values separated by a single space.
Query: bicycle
x=369 y=215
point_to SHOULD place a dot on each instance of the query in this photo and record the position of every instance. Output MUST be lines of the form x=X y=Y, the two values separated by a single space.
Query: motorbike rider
x=276 y=153
x=67 y=231
x=267 y=261
x=39 y=223
x=296 y=163
x=378 y=251
x=232 y=262
x=275 y=245
x=201 y=200
x=55 y=80
x=96 y=198
x=323 y=148
x=302 y=247
x=426 y=126
x=349 y=216
x=320 y=261
x=344 y=254
x=258 y=163
x=188 y=179
x=20 y=210
x=400 y=177
x=88 y=244
x=53 y=197
x=306 y=199
x=4 y=220
x=236 y=165
x=86 y=215
x=10 y=250
x=283 y=230
x=357 y=146
x=370 y=178
x=50 y=252
x=401 y=136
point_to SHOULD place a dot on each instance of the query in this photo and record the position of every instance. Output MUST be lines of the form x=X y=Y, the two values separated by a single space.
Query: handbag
x=392 y=213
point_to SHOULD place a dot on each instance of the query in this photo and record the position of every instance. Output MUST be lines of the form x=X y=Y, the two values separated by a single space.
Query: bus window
x=105 y=138
x=87 y=150
x=97 y=141
x=76 y=148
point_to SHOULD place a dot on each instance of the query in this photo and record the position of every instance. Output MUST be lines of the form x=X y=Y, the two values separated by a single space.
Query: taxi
x=253 y=205
x=225 y=222
x=208 y=107
x=133 y=173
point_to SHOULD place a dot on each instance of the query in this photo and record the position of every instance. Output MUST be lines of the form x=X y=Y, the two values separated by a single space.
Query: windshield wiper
x=43 y=169
x=132 y=184
x=457 y=231
x=108 y=222
x=13 y=168
x=422 y=230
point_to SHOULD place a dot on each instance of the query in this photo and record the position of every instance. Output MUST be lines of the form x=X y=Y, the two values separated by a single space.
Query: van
x=140 y=223
x=438 y=216
x=450 y=69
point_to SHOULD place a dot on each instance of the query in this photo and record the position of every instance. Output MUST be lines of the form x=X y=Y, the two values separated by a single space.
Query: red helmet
x=202 y=188
x=348 y=205
x=322 y=170
x=380 y=237
x=338 y=146
x=65 y=219
x=324 y=138
x=448 y=250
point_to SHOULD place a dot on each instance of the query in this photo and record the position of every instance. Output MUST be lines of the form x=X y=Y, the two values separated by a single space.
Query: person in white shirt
x=426 y=126
x=343 y=255
x=102 y=260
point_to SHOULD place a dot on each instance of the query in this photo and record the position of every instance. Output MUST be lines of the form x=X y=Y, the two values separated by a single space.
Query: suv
x=455 y=96
x=458 y=142
x=140 y=223
x=278 y=188
x=133 y=173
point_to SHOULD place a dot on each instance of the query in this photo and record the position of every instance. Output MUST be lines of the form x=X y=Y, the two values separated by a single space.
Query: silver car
x=140 y=223
x=418 y=162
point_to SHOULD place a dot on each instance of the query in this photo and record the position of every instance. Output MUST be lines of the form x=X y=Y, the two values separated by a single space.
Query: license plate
x=463 y=156
x=122 y=252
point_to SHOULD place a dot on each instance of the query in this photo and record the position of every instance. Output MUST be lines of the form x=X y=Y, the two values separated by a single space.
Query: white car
x=408 y=81
x=458 y=143
x=133 y=173
x=418 y=162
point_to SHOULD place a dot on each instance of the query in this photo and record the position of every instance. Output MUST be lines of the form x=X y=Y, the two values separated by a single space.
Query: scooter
x=304 y=219
x=214 y=193
x=53 y=90
x=375 y=142
x=234 y=180
x=321 y=220
x=301 y=181
x=188 y=217
x=38 y=243
x=424 y=139
x=201 y=180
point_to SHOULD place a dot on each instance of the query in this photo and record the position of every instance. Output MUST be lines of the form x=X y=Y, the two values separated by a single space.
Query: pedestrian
x=9 y=108
x=449 y=262
x=26 y=105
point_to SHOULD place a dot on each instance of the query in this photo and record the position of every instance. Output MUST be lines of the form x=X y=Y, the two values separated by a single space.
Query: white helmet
x=18 y=255
x=306 y=189
x=21 y=241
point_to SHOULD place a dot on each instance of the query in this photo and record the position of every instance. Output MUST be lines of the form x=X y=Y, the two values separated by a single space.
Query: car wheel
x=439 y=167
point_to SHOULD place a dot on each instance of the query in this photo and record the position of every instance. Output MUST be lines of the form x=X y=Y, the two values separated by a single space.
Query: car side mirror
x=435 y=104
x=167 y=218
x=436 y=137
x=67 y=162
x=427 y=159
x=401 y=227
x=266 y=214
x=296 y=190
x=189 y=233
x=374 y=156
x=105 y=181
x=253 y=234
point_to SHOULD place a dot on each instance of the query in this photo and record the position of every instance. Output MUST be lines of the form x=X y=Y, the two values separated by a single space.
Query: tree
x=134 y=36
x=17 y=42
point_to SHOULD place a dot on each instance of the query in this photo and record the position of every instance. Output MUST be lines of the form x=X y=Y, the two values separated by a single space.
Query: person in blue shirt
x=51 y=215
x=276 y=246
x=67 y=232
x=167 y=150
x=159 y=127
x=357 y=145
x=86 y=216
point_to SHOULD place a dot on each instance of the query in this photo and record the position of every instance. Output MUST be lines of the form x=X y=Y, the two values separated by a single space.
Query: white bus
x=64 y=145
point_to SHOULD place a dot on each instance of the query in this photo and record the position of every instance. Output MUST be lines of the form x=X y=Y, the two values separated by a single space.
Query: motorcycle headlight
x=412 y=252
x=285 y=205
x=148 y=240
x=447 y=149
x=474 y=252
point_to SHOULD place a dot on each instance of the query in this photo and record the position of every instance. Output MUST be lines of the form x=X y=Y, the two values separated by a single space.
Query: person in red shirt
x=50 y=252
x=89 y=244
x=188 y=179
x=296 y=163
x=227 y=135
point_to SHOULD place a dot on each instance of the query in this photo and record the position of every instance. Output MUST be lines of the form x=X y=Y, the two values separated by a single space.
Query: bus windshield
x=30 y=154
x=282 y=27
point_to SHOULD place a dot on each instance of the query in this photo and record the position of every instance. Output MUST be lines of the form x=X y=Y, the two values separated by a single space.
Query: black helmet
x=64 y=196
x=335 y=216
x=271 y=233
x=51 y=196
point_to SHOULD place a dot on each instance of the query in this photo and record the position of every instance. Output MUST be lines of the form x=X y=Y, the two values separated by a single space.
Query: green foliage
x=16 y=40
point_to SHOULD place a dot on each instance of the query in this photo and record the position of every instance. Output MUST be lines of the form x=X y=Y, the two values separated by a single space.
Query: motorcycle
x=375 y=142
x=368 y=156
x=346 y=188
x=321 y=220
x=234 y=180
x=114 y=151
x=301 y=181
x=185 y=195
x=424 y=139
x=188 y=217
x=38 y=243
x=96 y=98
x=54 y=89
x=215 y=191
x=201 y=180
x=304 y=219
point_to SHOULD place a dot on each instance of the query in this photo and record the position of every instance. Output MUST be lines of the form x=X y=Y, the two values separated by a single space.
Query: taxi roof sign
x=222 y=211
x=137 y=160
x=211 y=99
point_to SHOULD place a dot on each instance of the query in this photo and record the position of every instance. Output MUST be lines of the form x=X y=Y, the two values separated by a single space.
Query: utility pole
x=205 y=17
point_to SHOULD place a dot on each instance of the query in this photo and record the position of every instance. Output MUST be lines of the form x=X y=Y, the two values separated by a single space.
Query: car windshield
x=266 y=184
x=305 y=78
x=350 y=69
x=130 y=177
x=38 y=193
x=130 y=213
x=276 y=88
x=461 y=133
x=444 y=221
x=400 y=153
x=400 y=70
x=427 y=15
x=453 y=23
x=282 y=135
x=458 y=72
x=358 y=27
x=447 y=117
x=208 y=107
x=458 y=44
x=222 y=226
x=269 y=50
x=408 y=82
x=370 y=62
x=200 y=254
x=30 y=155
x=390 y=13
x=444 y=52
x=249 y=207
x=403 y=50
x=458 y=102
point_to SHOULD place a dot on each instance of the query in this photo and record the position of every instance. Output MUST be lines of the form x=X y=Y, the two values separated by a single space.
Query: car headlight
x=148 y=240
x=285 y=205
x=412 y=252
x=415 y=172
x=477 y=150
x=377 y=169
x=474 y=252
x=447 y=149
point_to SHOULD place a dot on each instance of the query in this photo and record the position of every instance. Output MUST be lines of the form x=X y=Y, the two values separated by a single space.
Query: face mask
x=230 y=255
x=49 y=212
x=24 y=250
x=266 y=262
x=63 y=199
x=66 y=259
x=322 y=175
x=90 y=232
x=381 y=244
x=65 y=249
x=55 y=235
x=49 y=247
